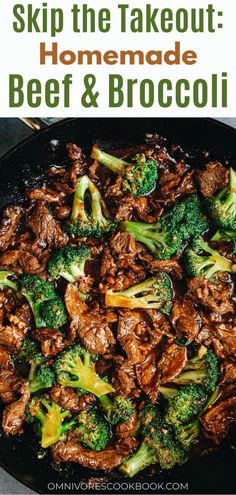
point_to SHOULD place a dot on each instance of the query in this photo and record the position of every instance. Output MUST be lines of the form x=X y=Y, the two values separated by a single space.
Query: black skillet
x=214 y=473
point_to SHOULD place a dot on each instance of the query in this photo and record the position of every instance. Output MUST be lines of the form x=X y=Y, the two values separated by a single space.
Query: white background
x=20 y=54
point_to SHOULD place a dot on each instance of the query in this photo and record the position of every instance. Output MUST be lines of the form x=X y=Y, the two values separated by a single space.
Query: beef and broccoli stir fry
x=118 y=335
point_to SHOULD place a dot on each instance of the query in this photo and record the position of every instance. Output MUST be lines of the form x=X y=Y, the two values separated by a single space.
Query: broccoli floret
x=54 y=313
x=201 y=259
x=169 y=235
x=202 y=369
x=170 y=451
x=187 y=433
x=48 y=418
x=161 y=242
x=44 y=378
x=93 y=429
x=143 y=458
x=118 y=410
x=36 y=288
x=5 y=282
x=40 y=375
x=158 y=445
x=149 y=415
x=47 y=307
x=88 y=220
x=69 y=262
x=29 y=353
x=28 y=350
x=222 y=205
x=75 y=367
x=187 y=403
x=154 y=292
x=138 y=178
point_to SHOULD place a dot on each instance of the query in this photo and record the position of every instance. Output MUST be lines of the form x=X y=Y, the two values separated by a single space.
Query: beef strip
x=92 y=327
x=124 y=210
x=46 y=194
x=69 y=399
x=113 y=188
x=20 y=262
x=215 y=295
x=63 y=188
x=108 y=264
x=161 y=365
x=176 y=179
x=160 y=325
x=22 y=317
x=79 y=165
x=218 y=419
x=220 y=334
x=9 y=261
x=28 y=257
x=173 y=267
x=224 y=340
x=68 y=175
x=228 y=372
x=8 y=302
x=62 y=212
x=14 y=413
x=148 y=375
x=124 y=380
x=51 y=341
x=15 y=320
x=9 y=380
x=5 y=359
x=212 y=178
x=93 y=171
x=123 y=279
x=10 y=383
x=11 y=218
x=21 y=236
x=123 y=245
x=119 y=267
x=185 y=319
x=11 y=336
x=84 y=284
x=130 y=326
x=46 y=229
x=172 y=361
x=143 y=209
x=73 y=451
x=136 y=335
x=29 y=263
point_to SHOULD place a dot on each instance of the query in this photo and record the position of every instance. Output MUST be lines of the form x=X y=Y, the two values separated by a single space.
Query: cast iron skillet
x=212 y=474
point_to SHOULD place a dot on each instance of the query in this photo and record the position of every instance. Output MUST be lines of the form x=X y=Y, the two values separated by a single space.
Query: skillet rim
x=213 y=122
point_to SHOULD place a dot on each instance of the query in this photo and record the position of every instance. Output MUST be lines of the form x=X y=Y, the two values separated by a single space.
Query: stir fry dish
x=117 y=308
